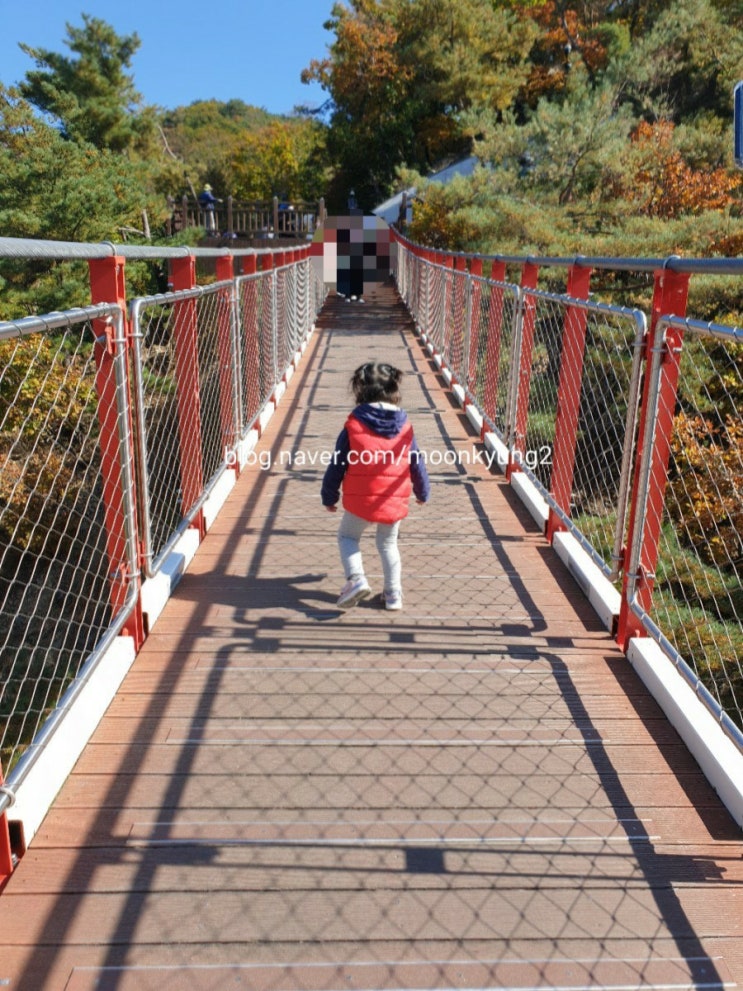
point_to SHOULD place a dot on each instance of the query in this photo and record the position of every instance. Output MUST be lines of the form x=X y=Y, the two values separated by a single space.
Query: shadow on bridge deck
x=475 y=792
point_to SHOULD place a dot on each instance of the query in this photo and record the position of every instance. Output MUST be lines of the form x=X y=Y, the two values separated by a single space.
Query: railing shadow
x=362 y=808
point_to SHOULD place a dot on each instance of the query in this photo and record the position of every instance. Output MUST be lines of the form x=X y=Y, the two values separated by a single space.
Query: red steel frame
x=494 y=341
x=529 y=277
x=568 y=398
x=183 y=274
x=108 y=285
x=6 y=848
x=669 y=299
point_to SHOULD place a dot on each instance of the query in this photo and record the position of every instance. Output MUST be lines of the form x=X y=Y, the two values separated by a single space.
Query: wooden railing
x=257 y=219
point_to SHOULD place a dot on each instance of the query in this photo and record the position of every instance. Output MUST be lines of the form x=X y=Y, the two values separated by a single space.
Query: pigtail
x=375 y=382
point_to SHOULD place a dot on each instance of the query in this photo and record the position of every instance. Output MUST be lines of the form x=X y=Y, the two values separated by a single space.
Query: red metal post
x=568 y=397
x=475 y=301
x=225 y=273
x=529 y=277
x=493 y=343
x=251 y=349
x=669 y=299
x=459 y=316
x=185 y=337
x=267 y=343
x=6 y=848
x=108 y=285
x=447 y=338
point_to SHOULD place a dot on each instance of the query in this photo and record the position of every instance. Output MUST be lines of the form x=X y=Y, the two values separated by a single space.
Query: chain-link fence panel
x=541 y=346
x=607 y=416
x=458 y=300
x=184 y=363
x=598 y=366
x=255 y=391
x=414 y=289
x=318 y=289
x=698 y=592
x=302 y=301
x=287 y=338
x=494 y=308
x=66 y=505
x=436 y=307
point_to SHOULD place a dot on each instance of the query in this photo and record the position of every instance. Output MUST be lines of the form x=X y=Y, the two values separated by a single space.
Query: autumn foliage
x=664 y=185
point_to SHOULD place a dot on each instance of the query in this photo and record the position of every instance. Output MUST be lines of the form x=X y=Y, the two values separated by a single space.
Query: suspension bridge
x=530 y=777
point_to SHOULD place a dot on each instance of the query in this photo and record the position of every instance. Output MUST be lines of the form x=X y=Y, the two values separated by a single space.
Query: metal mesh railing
x=186 y=415
x=525 y=373
x=489 y=382
x=65 y=516
x=605 y=381
x=697 y=603
x=256 y=344
x=535 y=447
x=81 y=491
x=206 y=362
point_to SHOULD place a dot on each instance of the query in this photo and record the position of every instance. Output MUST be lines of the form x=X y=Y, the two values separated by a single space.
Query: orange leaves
x=564 y=35
x=364 y=59
x=665 y=186
x=707 y=484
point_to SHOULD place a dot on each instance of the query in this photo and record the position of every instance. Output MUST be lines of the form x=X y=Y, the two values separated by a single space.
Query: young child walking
x=377 y=464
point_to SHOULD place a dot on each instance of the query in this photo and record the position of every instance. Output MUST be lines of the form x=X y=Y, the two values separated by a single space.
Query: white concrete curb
x=54 y=764
x=716 y=754
x=599 y=591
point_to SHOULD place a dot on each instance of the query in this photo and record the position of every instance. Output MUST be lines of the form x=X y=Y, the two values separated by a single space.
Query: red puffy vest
x=377 y=483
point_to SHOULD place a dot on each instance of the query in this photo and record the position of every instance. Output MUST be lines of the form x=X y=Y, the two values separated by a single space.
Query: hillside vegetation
x=603 y=126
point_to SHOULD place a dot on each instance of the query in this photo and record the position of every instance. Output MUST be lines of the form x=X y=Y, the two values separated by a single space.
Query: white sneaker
x=392 y=600
x=352 y=592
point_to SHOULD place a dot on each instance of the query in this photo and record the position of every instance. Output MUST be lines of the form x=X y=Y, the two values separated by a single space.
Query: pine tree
x=91 y=96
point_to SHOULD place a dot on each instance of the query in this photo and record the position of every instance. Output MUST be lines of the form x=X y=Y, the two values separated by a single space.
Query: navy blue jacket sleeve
x=418 y=473
x=331 y=483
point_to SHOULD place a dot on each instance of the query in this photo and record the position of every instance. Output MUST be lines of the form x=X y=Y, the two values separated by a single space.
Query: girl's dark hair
x=376 y=382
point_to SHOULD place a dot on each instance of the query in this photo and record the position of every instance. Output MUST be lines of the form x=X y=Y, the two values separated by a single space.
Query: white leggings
x=349 y=537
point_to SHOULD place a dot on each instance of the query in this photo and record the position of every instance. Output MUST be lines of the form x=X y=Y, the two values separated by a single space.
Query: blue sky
x=250 y=50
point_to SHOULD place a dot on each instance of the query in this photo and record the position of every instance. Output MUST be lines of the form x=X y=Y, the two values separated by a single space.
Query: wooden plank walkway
x=476 y=792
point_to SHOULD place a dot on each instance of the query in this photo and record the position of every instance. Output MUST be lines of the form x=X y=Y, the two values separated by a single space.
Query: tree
x=662 y=184
x=56 y=189
x=687 y=64
x=368 y=85
x=283 y=158
x=204 y=136
x=91 y=97
x=400 y=74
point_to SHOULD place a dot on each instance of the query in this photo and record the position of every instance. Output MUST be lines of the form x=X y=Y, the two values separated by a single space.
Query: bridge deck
x=475 y=792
